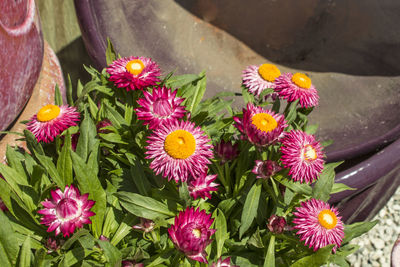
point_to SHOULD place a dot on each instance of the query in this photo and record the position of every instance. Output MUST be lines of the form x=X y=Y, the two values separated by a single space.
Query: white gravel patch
x=377 y=244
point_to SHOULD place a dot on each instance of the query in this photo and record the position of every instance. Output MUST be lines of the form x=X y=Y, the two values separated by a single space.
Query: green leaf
x=339 y=187
x=87 y=137
x=20 y=186
x=124 y=228
x=196 y=95
x=8 y=239
x=64 y=162
x=112 y=254
x=311 y=129
x=3 y=257
x=74 y=256
x=294 y=186
x=250 y=208
x=86 y=176
x=32 y=143
x=270 y=258
x=57 y=96
x=142 y=206
x=356 y=229
x=292 y=112
x=178 y=81
x=51 y=169
x=184 y=194
x=221 y=234
x=110 y=52
x=69 y=91
x=317 y=259
x=25 y=253
x=139 y=178
x=324 y=184
x=70 y=241
x=247 y=97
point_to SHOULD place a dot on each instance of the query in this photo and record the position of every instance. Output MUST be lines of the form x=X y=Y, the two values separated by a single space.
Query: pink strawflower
x=276 y=224
x=223 y=263
x=134 y=73
x=191 y=234
x=145 y=225
x=202 y=186
x=53 y=244
x=179 y=149
x=66 y=211
x=258 y=78
x=160 y=106
x=226 y=151
x=319 y=225
x=262 y=127
x=52 y=120
x=302 y=154
x=265 y=169
x=298 y=86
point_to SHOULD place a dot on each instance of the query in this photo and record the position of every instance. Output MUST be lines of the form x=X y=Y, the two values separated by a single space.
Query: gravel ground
x=376 y=245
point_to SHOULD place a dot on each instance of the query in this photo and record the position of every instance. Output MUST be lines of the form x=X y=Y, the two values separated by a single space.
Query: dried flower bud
x=226 y=151
x=265 y=169
x=276 y=224
x=145 y=225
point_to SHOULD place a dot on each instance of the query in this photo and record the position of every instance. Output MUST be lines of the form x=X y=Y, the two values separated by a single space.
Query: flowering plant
x=138 y=170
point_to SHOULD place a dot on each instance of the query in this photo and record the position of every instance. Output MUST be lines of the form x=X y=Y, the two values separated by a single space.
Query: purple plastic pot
x=348 y=49
x=21 y=55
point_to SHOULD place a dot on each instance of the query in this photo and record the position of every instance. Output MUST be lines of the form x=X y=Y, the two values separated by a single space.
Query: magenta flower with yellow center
x=51 y=121
x=297 y=86
x=179 y=149
x=302 y=155
x=318 y=224
x=260 y=126
x=66 y=211
x=258 y=78
x=134 y=73
x=191 y=233
x=160 y=106
x=202 y=186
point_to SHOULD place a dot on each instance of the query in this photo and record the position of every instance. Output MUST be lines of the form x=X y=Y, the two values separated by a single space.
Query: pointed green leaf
x=145 y=207
x=89 y=183
x=221 y=234
x=57 y=96
x=112 y=254
x=323 y=187
x=87 y=137
x=25 y=253
x=356 y=229
x=250 y=207
x=110 y=52
x=64 y=162
x=319 y=258
x=270 y=258
x=8 y=239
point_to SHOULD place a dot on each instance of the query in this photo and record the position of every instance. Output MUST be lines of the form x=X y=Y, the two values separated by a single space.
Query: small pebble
x=376 y=245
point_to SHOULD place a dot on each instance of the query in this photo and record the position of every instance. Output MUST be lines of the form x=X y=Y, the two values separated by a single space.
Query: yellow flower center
x=48 y=113
x=309 y=153
x=301 y=80
x=269 y=72
x=135 y=66
x=327 y=219
x=180 y=144
x=264 y=122
x=196 y=233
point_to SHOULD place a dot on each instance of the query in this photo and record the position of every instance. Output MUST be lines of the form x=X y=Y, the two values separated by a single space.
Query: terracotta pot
x=348 y=48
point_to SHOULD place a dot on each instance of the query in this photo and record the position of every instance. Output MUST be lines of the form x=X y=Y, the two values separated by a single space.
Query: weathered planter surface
x=349 y=49
x=21 y=55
